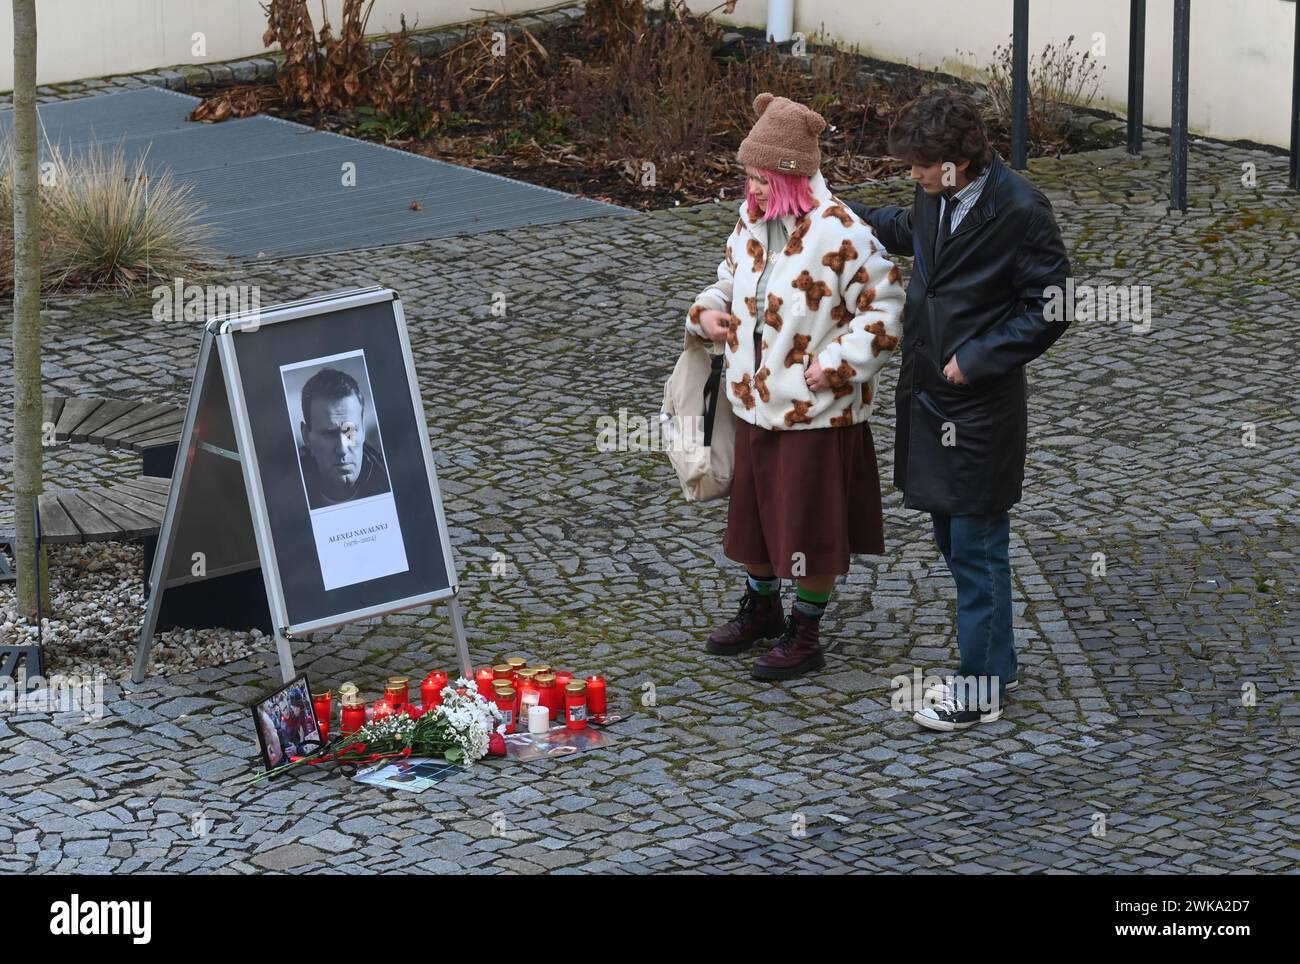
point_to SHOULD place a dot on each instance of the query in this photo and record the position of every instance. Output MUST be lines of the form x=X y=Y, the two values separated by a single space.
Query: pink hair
x=786 y=194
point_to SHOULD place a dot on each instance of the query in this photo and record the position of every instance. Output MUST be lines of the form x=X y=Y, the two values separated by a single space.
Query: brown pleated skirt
x=804 y=500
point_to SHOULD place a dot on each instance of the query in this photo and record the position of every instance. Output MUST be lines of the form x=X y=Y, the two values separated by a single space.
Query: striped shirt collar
x=965 y=198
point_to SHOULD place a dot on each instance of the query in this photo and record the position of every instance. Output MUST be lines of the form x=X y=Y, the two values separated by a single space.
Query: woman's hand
x=815 y=377
x=714 y=323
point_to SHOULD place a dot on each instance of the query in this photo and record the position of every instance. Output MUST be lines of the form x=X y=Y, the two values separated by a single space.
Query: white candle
x=539 y=719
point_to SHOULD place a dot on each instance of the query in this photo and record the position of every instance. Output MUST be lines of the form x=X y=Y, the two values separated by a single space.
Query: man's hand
x=952 y=372
x=714 y=323
x=815 y=377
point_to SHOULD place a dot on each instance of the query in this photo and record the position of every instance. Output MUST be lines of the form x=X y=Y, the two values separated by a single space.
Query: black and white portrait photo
x=345 y=477
x=339 y=448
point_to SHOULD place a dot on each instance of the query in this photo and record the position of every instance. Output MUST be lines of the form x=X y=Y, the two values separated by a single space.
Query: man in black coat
x=987 y=257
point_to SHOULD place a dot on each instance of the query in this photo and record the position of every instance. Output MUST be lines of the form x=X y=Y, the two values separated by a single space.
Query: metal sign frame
x=218 y=337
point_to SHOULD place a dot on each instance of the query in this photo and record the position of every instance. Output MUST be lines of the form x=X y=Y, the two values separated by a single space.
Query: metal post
x=1137 y=40
x=1020 y=86
x=286 y=656
x=1178 y=111
x=458 y=633
x=1294 y=180
x=36 y=531
x=39 y=652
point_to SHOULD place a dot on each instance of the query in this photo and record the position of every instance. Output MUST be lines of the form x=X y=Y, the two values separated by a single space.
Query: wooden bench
x=131 y=508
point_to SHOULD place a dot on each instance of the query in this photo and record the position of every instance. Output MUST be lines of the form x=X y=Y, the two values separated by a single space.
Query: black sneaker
x=952 y=714
x=943 y=691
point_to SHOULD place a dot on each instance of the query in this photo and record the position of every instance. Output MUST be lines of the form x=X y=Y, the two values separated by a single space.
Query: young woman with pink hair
x=810 y=309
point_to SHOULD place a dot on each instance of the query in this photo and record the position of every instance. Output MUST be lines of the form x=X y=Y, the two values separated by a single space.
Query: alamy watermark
x=1085 y=302
x=55 y=694
x=181 y=302
x=920 y=691
x=639 y=433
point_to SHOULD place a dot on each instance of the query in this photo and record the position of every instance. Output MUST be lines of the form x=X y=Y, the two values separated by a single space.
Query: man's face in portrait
x=335 y=433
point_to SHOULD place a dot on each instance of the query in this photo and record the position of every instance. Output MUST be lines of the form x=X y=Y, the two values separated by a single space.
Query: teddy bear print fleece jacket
x=832 y=295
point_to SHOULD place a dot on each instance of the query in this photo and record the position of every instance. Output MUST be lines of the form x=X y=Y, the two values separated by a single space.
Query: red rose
x=496 y=745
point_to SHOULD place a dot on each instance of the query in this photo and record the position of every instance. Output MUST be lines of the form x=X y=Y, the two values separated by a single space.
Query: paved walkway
x=270 y=187
x=1128 y=747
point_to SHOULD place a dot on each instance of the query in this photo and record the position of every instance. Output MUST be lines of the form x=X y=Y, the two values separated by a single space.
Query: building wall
x=79 y=39
x=1241 y=50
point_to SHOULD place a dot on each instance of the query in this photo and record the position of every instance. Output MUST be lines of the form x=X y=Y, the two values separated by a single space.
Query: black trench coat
x=983 y=300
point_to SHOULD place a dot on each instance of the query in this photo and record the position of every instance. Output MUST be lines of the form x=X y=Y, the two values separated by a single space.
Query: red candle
x=530 y=694
x=596 y=695
x=431 y=690
x=381 y=709
x=505 y=700
x=575 y=705
x=323 y=704
x=516 y=663
x=397 y=692
x=354 y=714
x=395 y=698
x=484 y=678
x=562 y=679
x=551 y=698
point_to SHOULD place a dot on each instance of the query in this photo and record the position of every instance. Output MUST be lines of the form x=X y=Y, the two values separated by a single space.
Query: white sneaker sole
x=943 y=726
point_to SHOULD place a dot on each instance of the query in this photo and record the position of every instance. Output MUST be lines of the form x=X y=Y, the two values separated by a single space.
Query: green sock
x=810 y=604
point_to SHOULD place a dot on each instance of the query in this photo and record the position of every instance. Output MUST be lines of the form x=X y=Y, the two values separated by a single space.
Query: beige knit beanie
x=784 y=138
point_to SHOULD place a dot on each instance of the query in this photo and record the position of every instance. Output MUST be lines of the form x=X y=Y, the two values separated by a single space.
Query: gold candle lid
x=397 y=681
x=348 y=689
x=577 y=686
x=352 y=699
x=542 y=669
x=517 y=662
x=544 y=679
x=528 y=673
x=502 y=669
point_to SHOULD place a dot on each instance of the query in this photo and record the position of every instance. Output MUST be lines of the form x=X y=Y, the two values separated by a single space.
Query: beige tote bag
x=698 y=427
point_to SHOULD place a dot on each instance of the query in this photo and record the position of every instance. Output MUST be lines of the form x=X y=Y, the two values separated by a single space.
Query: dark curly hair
x=942 y=125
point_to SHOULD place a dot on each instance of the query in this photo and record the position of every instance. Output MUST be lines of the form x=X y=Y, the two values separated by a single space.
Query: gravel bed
x=96 y=609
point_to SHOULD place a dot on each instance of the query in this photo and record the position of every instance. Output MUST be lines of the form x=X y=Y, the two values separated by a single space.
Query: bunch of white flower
x=470 y=717
x=399 y=727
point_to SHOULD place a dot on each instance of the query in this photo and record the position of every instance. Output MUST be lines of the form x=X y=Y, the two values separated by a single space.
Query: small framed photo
x=286 y=723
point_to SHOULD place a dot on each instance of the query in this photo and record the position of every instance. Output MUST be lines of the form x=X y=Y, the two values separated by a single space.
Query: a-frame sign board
x=305 y=451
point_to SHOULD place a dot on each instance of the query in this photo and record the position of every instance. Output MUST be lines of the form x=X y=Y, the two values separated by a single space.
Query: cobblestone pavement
x=1131 y=746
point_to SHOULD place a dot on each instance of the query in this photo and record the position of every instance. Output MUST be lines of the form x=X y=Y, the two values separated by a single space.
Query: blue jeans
x=976 y=550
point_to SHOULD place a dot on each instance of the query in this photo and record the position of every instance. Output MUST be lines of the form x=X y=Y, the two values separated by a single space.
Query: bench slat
x=93 y=524
x=124 y=423
x=56 y=524
x=141 y=488
x=129 y=523
x=75 y=411
x=51 y=406
x=112 y=409
x=173 y=421
x=157 y=441
x=120 y=495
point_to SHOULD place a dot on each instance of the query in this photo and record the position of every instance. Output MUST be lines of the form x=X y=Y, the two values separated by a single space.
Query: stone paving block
x=1130 y=703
